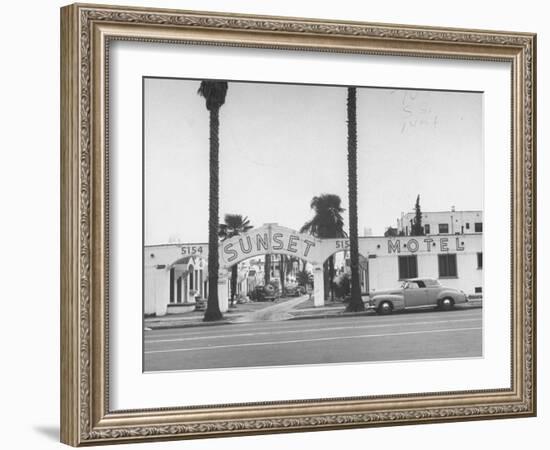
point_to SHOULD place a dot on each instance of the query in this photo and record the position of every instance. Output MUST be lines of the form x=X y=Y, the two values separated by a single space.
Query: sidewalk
x=246 y=312
x=340 y=311
x=286 y=309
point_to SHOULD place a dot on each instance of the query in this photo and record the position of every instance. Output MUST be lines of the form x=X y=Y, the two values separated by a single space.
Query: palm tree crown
x=327 y=221
x=214 y=92
x=234 y=225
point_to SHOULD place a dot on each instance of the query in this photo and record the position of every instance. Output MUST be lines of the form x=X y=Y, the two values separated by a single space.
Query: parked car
x=267 y=293
x=294 y=290
x=416 y=292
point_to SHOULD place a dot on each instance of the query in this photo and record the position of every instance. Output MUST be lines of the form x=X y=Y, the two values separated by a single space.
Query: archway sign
x=270 y=239
x=267 y=239
x=275 y=239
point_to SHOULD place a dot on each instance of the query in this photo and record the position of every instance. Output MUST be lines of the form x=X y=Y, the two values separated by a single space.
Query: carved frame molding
x=86 y=32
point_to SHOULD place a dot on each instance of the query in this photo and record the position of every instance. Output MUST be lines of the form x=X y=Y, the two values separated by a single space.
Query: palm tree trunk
x=234 y=275
x=331 y=277
x=356 y=302
x=282 y=273
x=267 y=269
x=213 y=312
x=325 y=280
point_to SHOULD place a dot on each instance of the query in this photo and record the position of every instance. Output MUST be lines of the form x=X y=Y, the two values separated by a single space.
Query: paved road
x=405 y=336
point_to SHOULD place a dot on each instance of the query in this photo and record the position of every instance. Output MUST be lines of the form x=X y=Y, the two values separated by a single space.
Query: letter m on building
x=394 y=248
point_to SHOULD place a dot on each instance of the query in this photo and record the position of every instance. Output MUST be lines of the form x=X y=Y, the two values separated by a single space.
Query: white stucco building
x=456 y=260
x=443 y=222
x=175 y=274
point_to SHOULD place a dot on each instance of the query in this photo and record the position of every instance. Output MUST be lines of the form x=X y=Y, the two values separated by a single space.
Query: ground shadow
x=50 y=431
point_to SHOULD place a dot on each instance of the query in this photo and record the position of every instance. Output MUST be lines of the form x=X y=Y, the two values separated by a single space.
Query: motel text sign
x=426 y=244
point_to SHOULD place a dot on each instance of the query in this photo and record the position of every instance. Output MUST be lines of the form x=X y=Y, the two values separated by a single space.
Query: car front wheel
x=385 y=308
x=446 y=304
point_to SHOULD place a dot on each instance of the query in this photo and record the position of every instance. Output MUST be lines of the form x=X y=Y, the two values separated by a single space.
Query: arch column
x=318 y=285
x=223 y=296
x=156 y=290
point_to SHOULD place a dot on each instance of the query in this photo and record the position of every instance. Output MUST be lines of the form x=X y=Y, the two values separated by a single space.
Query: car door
x=433 y=294
x=415 y=294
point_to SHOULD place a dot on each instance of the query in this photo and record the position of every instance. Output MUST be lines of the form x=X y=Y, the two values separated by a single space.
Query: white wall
x=29 y=183
x=156 y=290
x=384 y=272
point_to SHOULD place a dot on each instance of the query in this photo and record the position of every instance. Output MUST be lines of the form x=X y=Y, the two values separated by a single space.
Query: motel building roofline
x=457 y=211
x=372 y=237
x=205 y=244
x=443 y=222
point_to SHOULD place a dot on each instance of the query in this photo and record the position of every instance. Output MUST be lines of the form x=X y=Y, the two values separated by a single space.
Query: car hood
x=387 y=292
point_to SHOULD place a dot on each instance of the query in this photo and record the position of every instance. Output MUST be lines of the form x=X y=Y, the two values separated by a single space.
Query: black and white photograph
x=275 y=225
x=294 y=224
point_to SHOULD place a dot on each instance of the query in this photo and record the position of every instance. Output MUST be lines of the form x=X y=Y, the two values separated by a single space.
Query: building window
x=408 y=267
x=478 y=290
x=467 y=225
x=480 y=260
x=443 y=228
x=478 y=227
x=427 y=228
x=447 y=265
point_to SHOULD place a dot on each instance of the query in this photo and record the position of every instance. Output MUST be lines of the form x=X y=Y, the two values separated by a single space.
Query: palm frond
x=327 y=221
x=234 y=225
x=214 y=93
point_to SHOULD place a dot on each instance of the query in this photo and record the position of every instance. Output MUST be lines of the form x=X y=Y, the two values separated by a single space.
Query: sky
x=283 y=144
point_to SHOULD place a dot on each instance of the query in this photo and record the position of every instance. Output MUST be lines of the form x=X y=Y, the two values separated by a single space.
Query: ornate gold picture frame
x=87 y=31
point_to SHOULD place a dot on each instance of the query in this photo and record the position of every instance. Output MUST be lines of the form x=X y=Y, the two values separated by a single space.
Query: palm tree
x=267 y=269
x=282 y=272
x=327 y=223
x=214 y=93
x=234 y=225
x=302 y=278
x=356 y=302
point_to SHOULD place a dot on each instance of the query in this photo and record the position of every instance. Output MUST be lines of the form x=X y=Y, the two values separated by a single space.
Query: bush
x=342 y=286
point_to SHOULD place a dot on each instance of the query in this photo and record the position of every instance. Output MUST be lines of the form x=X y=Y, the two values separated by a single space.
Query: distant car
x=416 y=292
x=294 y=290
x=267 y=293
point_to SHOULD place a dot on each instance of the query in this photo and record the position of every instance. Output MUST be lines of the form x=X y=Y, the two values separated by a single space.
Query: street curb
x=333 y=316
x=190 y=325
x=298 y=317
x=362 y=313
x=480 y=306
